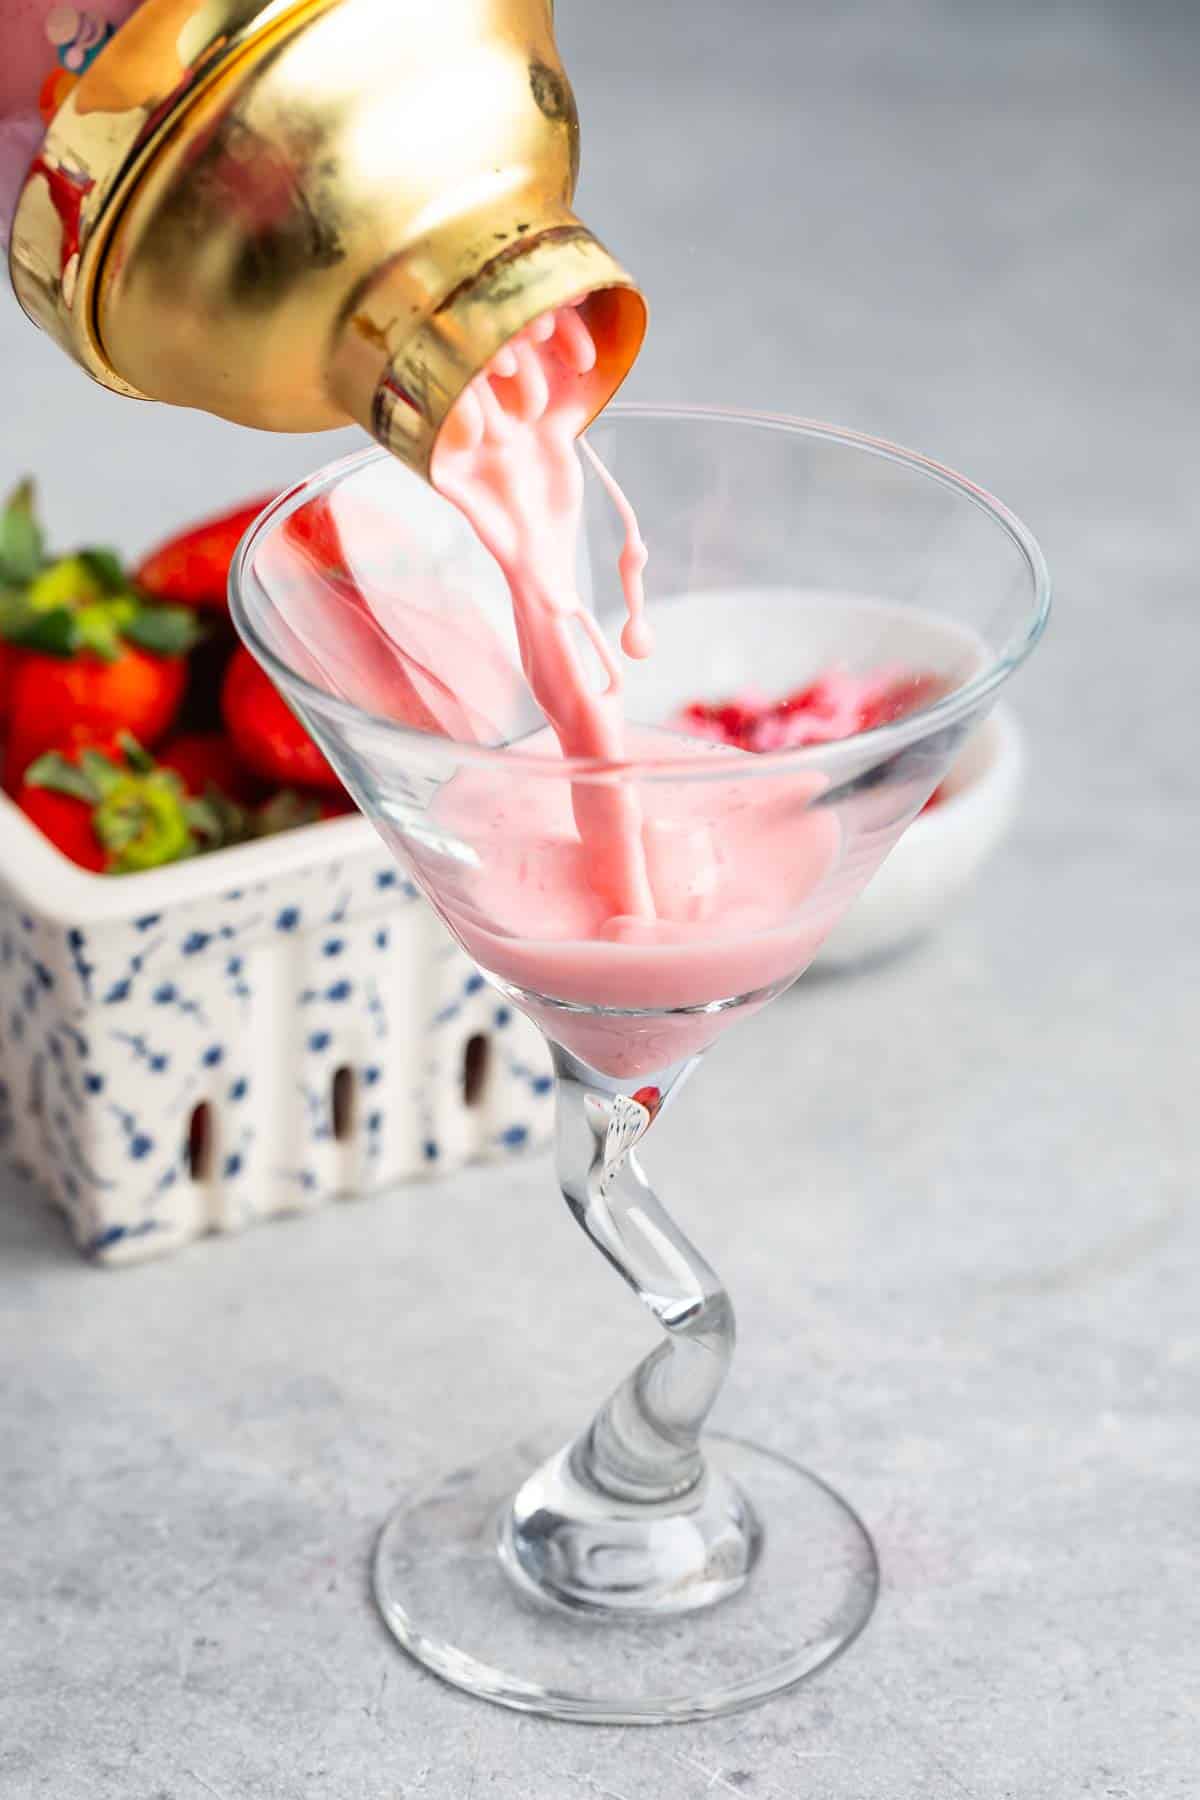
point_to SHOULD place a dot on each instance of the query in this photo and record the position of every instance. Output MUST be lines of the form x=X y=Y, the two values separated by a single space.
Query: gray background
x=968 y=1281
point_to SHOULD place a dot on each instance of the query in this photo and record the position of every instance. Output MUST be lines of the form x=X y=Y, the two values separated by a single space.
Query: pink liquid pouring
x=507 y=460
x=645 y=896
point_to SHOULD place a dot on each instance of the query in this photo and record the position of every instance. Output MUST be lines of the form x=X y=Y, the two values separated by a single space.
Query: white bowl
x=801 y=632
x=941 y=852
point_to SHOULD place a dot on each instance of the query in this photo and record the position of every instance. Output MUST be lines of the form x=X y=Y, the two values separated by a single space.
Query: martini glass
x=641 y=1570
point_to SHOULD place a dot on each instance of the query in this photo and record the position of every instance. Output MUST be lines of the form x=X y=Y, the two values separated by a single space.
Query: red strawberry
x=83 y=653
x=266 y=734
x=115 y=811
x=66 y=822
x=56 y=700
x=207 y=759
x=192 y=568
x=335 y=806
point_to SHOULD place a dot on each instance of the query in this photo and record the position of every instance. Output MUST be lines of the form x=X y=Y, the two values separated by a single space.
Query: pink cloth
x=19 y=139
x=29 y=54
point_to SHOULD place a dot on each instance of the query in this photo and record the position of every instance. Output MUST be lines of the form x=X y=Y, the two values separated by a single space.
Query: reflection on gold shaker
x=294 y=214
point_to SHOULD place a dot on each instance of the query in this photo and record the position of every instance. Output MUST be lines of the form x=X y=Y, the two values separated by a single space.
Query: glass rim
x=882 y=739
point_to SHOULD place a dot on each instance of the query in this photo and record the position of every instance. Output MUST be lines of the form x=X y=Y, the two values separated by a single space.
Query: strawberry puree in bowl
x=961 y=823
x=834 y=706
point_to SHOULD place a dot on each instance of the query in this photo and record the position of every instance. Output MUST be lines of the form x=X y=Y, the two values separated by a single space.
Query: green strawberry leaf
x=142 y=821
x=285 y=811
x=118 y=826
x=216 y=819
x=67 y=581
x=65 y=610
x=103 y=774
x=106 y=568
x=22 y=550
x=13 y=607
x=163 y=630
x=140 y=812
x=136 y=758
x=101 y=626
x=55 y=772
x=54 y=633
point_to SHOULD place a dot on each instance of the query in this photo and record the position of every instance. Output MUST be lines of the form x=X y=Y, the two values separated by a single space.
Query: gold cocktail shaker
x=301 y=212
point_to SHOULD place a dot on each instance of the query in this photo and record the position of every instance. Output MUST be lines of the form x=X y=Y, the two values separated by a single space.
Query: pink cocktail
x=636 y=900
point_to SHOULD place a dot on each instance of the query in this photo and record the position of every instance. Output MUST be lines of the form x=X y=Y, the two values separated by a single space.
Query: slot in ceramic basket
x=245 y=1035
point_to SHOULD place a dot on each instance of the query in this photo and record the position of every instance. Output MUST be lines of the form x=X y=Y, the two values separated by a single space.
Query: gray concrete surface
x=968 y=1289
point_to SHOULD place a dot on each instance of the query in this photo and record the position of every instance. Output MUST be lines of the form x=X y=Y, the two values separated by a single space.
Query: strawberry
x=67 y=824
x=55 y=700
x=287 y=809
x=83 y=653
x=21 y=556
x=192 y=569
x=208 y=766
x=266 y=734
x=206 y=759
x=22 y=551
x=115 y=811
x=82 y=603
x=335 y=806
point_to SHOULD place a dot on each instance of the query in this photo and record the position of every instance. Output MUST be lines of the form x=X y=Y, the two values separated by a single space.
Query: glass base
x=568 y=1543
x=445 y=1594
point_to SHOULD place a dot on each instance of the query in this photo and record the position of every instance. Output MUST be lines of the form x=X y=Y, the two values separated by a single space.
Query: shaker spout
x=297 y=213
x=403 y=358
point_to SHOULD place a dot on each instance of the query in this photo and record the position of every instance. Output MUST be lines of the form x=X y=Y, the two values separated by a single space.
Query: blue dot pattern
x=248 y=1002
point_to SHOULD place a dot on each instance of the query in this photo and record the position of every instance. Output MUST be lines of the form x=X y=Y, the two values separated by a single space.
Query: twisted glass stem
x=644 y=1444
x=629 y=1518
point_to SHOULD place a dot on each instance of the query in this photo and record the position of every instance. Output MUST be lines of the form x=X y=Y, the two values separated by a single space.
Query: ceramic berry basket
x=244 y=1035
